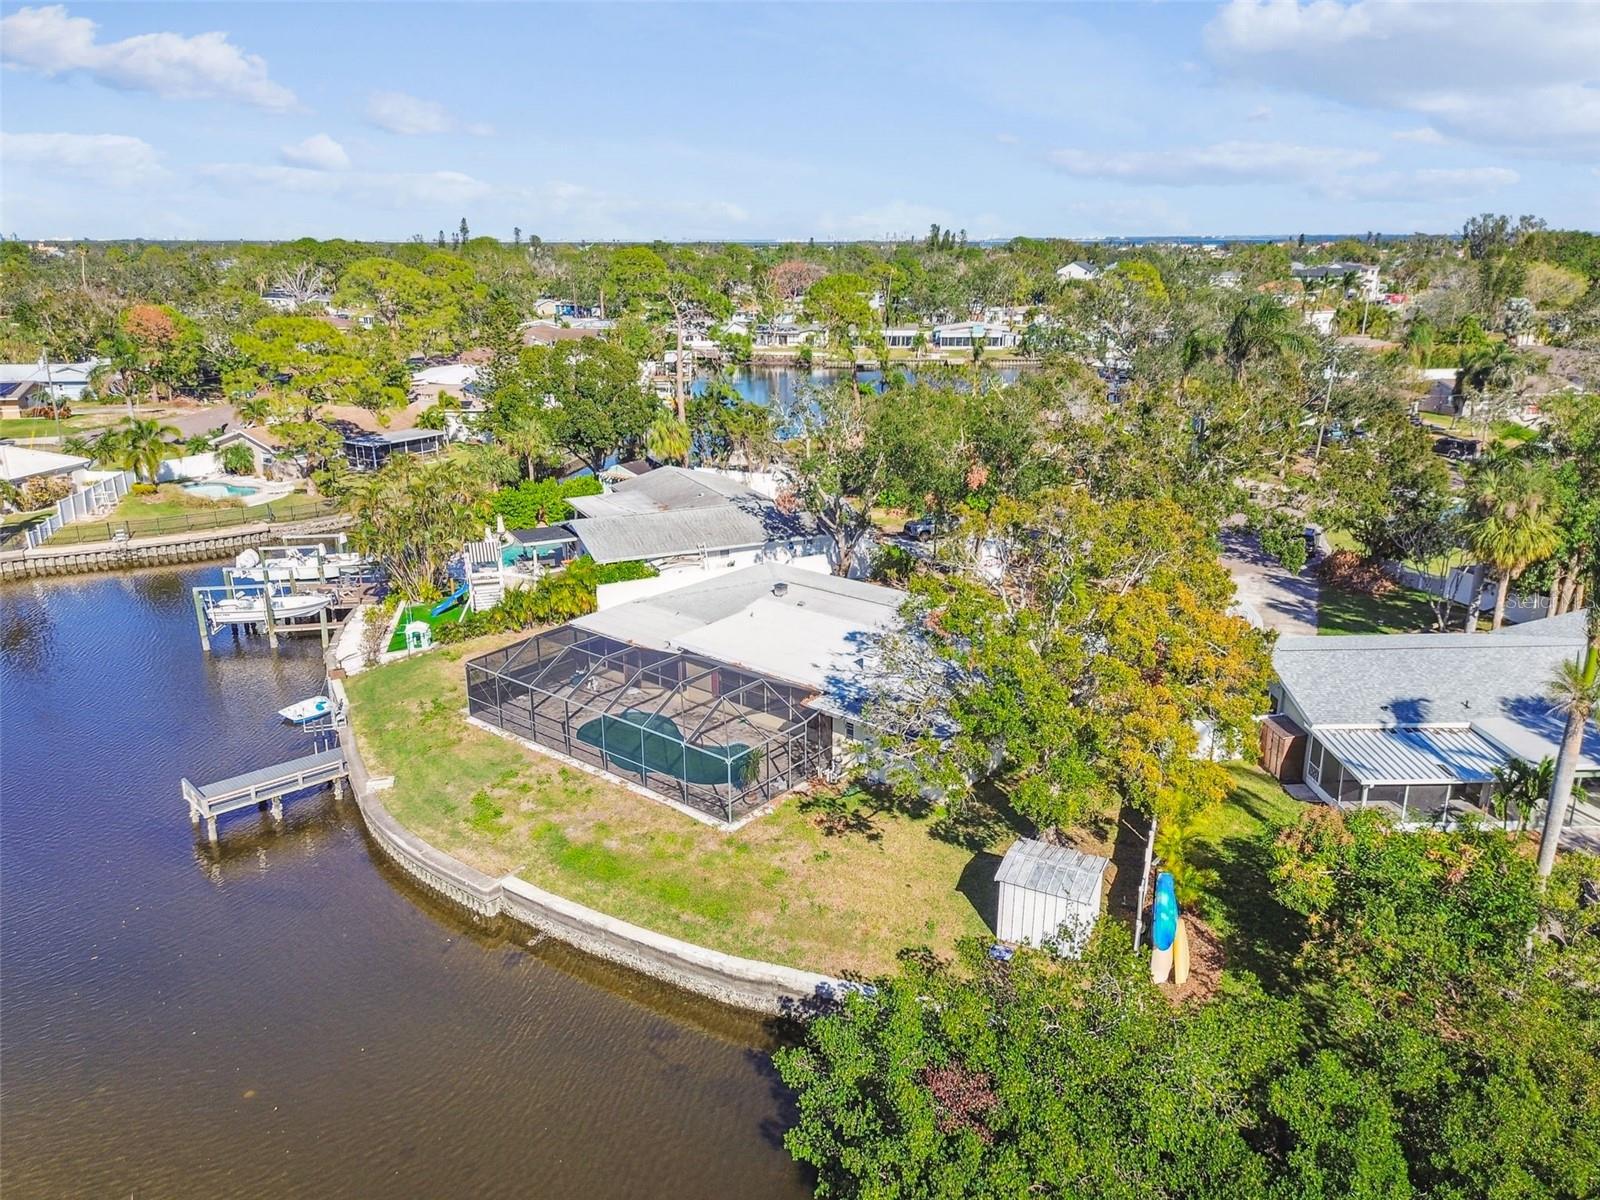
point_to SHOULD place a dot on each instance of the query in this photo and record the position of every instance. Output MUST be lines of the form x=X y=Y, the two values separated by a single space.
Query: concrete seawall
x=150 y=552
x=741 y=982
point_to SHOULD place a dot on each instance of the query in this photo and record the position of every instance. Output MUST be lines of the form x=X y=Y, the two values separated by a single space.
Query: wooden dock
x=266 y=785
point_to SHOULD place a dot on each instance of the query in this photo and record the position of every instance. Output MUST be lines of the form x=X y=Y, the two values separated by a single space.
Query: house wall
x=609 y=595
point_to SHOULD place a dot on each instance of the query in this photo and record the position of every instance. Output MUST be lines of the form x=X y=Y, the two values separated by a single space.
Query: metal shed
x=1048 y=893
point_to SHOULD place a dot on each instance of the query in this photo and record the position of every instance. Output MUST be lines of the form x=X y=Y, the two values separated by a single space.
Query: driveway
x=1284 y=601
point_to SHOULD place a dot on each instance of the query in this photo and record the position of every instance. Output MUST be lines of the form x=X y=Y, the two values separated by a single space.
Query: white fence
x=1457 y=584
x=88 y=501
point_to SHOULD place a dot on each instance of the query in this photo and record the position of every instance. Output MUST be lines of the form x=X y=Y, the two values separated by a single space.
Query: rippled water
x=283 y=1015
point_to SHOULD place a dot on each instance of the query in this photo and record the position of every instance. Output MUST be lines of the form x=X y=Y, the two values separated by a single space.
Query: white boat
x=306 y=710
x=251 y=609
x=301 y=565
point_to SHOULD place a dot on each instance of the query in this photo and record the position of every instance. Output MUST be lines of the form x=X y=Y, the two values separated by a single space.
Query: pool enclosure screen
x=708 y=735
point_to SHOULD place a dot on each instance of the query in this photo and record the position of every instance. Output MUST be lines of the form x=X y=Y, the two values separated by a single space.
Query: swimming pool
x=219 y=491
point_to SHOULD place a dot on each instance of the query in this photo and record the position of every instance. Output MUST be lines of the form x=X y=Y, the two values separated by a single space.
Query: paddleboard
x=1160 y=965
x=1164 y=920
x=1180 y=955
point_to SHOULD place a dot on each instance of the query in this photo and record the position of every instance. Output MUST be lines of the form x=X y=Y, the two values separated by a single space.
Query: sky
x=777 y=121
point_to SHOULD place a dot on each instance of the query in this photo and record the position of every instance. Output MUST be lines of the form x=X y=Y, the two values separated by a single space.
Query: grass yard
x=1401 y=611
x=1235 y=851
x=788 y=887
x=28 y=428
x=424 y=612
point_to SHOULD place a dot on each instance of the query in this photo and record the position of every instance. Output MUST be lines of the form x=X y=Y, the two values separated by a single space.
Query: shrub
x=622 y=572
x=44 y=491
x=237 y=459
x=536 y=502
x=1348 y=570
x=143 y=489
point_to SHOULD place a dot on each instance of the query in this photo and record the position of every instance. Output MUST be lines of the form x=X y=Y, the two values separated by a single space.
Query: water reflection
x=285 y=1013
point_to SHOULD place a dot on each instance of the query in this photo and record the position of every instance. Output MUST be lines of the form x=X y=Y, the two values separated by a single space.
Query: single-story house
x=65 y=382
x=1415 y=724
x=369 y=451
x=674 y=516
x=18 y=464
x=717 y=697
x=548 y=333
x=266 y=447
x=24 y=398
x=1077 y=272
x=965 y=334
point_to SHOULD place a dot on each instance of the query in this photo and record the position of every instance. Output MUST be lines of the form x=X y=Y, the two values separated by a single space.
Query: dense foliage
x=1420 y=1046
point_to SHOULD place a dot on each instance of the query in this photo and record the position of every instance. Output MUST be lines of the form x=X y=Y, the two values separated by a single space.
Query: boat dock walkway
x=265 y=785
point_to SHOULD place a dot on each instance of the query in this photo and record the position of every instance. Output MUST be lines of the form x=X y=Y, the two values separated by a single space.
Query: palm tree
x=1576 y=691
x=137 y=445
x=256 y=409
x=1262 y=328
x=668 y=438
x=1517 y=524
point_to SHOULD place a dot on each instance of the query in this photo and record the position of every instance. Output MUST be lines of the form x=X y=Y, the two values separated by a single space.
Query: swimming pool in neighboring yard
x=220 y=491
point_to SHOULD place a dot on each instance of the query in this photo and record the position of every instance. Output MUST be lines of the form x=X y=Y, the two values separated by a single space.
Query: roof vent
x=780 y=589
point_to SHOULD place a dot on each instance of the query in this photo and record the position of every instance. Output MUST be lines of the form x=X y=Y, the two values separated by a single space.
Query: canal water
x=779 y=384
x=284 y=1015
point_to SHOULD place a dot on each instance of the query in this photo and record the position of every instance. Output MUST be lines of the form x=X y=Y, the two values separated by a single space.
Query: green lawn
x=1401 y=611
x=1236 y=854
x=423 y=612
x=170 y=510
x=790 y=887
x=28 y=428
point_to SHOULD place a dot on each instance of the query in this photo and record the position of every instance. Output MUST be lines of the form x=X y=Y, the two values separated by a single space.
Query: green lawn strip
x=780 y=889
x=163 y=512
x=423 y=612
x=1260 y=934
x=1403 y=610
x=45 y=427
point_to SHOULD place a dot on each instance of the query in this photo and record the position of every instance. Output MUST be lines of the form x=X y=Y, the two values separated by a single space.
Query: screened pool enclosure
x=720 y=740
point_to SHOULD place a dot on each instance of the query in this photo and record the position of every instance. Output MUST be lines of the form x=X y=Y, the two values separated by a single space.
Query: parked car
x=924 y=528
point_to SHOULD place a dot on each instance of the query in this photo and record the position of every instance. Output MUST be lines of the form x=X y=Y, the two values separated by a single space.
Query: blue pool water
x=219 y=491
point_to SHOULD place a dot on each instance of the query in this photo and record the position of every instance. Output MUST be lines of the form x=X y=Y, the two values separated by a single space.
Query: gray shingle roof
x=1427 y=678
x=1053 y=870
x=656 y=535
x=666 y=489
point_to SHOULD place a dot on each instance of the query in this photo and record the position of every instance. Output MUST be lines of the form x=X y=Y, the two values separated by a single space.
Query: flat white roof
x=820 y=632
x=24 y=462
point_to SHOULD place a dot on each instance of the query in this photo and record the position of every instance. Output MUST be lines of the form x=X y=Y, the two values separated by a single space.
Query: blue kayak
x=1164 y=921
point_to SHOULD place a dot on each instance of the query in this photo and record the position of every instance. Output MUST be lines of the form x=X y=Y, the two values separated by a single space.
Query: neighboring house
x=369 y=451
x=903 y=338
x=1365 y=273
x=548 y=333
x=717 y=697
x=24 y=398
x=286 y=302
x=18 y=464
x=675 y=517
x=966 y=334
x=266 y=448
x=1077 y=272
x=1415 y=724
x=1321 y=320
x=65 y=382
x=786 y=334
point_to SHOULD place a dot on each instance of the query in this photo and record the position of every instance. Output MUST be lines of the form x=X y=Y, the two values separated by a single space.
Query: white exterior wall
x=1031 y=917
x=191 y=466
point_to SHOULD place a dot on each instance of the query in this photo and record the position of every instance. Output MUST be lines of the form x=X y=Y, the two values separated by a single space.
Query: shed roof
x=22 y=462
x=1053 y=870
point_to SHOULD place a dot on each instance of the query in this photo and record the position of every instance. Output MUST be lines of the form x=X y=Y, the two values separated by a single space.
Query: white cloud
x=113 y=159
x=319 y=152
x=401 y=113
x=206 y=66
x=1429 y=184
x=1259 y=113
x=1007 y=139
x=1426 y=135
x=1520 y=76
x=377 y=189
x=1234 y=162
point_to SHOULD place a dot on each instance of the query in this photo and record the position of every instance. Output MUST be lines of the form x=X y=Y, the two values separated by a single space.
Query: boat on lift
x=298 y=564
x=250 y=608
x=306 y=710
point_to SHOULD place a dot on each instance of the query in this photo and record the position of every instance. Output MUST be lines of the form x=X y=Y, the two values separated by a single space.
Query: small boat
x=301 y=565
x=306 y=710
x=252 y=609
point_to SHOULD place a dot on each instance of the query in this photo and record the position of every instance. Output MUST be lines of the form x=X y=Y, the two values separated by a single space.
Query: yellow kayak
x=1180 y=955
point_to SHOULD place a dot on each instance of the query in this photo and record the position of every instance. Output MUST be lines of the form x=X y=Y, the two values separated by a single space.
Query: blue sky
x=763 y=121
